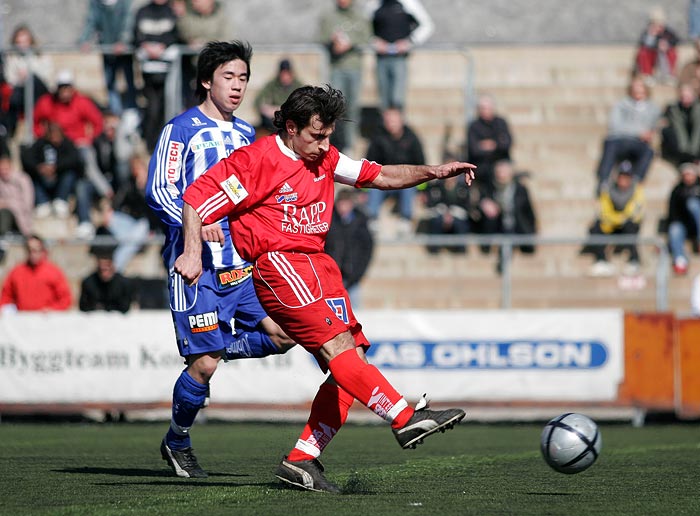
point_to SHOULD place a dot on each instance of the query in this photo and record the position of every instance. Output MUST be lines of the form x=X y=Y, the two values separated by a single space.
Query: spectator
x=488 y=139
x=505 y=208
x=350 y=243
x=198 y=21
x=108 y=22
x=274 y=93
x=81 y=122
x=684 y=216
x=448 y=204
x=656 y=52
x=344 y=31
x=631 y=128
x=16 y=198
x=694 y=19
x=395 y=143
x=680 y=136
x=54 y=165
x=690 y=73
x=36 y=284
x=398 y=26
x=155 y=40
x=24 y=61
x=105 y=289
x=129 y=220
x=622 y=206
x=108 y=153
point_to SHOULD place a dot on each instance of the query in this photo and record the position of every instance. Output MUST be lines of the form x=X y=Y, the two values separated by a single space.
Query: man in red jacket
x=36 y=284
x=81 y=122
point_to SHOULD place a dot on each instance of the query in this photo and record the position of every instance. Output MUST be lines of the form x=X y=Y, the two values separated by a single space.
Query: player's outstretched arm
x=393 y=177
x=189 y=263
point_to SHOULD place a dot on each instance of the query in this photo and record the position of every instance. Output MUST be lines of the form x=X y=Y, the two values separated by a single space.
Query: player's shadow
x=133 y=472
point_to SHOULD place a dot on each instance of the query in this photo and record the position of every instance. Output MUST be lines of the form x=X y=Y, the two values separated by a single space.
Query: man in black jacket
x=505 y=207
x=393 y=144
x=350 y=242
x=684 y=215
x=105 y=289
x=488 y=139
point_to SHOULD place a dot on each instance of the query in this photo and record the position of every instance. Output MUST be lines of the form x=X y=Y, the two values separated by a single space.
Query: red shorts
x=304 y=294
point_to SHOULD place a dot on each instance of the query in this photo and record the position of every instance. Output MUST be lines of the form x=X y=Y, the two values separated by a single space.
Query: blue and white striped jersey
x=189 y=145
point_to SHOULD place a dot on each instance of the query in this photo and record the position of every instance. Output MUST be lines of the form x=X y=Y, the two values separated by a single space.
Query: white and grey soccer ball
x=571 y=443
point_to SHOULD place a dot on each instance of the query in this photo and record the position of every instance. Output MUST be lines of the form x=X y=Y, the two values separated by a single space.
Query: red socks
x=357 y=380
x=328 y=413
x=366 y=384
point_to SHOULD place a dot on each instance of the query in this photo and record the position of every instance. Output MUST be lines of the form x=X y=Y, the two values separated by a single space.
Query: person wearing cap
x=621 y=210
x=683 y=216
x=274 y=93
x=656 y=51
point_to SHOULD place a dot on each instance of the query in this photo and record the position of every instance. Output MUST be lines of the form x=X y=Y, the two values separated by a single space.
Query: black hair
x=216 y=53
x=307 y=101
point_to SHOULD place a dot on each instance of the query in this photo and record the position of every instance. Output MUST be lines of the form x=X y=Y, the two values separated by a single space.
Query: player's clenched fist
x=189 y=267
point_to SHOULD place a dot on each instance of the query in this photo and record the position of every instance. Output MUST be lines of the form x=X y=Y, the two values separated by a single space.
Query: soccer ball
x=571 y=443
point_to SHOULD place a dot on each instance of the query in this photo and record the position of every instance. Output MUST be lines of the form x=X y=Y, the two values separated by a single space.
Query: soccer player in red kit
x=278 y=194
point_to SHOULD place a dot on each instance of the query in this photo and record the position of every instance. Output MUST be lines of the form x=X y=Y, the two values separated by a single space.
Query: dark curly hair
x=216 y=53
x=307 y=101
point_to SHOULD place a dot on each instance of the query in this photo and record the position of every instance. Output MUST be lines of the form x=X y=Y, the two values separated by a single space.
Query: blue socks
x=188 y=398
x=250 y=344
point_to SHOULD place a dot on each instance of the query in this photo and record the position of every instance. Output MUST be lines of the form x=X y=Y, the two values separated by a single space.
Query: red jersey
x=276 y=201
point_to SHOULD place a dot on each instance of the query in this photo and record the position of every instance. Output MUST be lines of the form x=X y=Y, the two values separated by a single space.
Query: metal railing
x=508 y=243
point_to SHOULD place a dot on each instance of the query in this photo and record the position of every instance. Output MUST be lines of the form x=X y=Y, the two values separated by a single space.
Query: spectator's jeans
x=61 y=188
x=694 y=19
x=350 y=83
x=617 y=149
x=436 y=226
x=130 y=233
x=678 y=232
x=650 y=59
x=85 y=192
x=112 y=64
x=376 y=197
x=392 y=80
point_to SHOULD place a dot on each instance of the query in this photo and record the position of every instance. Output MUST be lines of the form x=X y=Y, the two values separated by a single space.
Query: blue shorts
x=204 y=314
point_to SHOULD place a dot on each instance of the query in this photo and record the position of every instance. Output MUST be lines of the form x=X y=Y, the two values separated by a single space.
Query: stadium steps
x=557 y=100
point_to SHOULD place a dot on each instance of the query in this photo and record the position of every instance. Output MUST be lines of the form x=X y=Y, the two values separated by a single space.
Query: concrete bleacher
x=557 y=100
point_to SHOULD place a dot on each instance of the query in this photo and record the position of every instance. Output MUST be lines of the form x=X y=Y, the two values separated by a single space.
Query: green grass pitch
x=71 y=468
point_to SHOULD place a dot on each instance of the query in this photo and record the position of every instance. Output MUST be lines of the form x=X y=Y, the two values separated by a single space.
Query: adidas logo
x=285 y=189
x=228 y=141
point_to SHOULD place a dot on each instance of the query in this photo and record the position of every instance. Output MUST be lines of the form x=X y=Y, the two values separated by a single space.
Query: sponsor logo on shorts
x=337 y=304
x=232 y=277
x=201 y=323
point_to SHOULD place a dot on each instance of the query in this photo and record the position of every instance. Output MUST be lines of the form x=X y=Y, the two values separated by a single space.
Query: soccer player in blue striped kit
x=220 y=316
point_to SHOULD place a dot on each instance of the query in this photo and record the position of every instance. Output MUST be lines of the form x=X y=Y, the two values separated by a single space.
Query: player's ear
x=291 y=127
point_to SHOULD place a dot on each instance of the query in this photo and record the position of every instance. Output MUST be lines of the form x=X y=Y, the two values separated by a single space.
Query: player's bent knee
x=203 y=367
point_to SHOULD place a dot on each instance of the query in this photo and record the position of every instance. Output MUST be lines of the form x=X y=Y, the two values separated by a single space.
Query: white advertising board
x=552 y=355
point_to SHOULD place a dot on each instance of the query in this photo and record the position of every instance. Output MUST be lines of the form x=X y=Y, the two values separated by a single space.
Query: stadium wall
x=480 y=359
